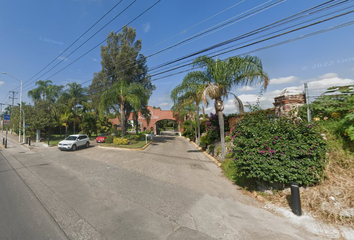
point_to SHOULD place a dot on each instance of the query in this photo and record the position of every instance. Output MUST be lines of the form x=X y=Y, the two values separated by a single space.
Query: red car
x=101 y=138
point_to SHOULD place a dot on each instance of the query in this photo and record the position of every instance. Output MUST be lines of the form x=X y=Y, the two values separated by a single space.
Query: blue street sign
x=6 y=117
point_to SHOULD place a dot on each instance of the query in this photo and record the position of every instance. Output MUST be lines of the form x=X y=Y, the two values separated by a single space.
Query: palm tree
x=65 y=119
x=41 y=90
x=223 y=76
x=190 y=91
x=122 y=94
x=74 y=95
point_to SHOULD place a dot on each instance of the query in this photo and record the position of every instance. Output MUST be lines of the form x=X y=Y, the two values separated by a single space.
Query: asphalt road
x=169 y=191
x=22 y=216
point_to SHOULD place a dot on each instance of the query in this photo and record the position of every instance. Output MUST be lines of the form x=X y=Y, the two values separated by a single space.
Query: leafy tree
x=103 y=125
x=66 y=118
x=190 y=91
x=73 y=96
x=41 y=91
x=40 y=116
x=119 y=95
x=88 y=124
x=223 y=75
x=123 y=78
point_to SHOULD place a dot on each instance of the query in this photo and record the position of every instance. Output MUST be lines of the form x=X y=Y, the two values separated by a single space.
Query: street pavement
x=169 y=191
x=22 y=214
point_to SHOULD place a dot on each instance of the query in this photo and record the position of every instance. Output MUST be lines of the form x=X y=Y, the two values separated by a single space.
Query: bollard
x=295 y=199
x=29 y=141
x=6 y=143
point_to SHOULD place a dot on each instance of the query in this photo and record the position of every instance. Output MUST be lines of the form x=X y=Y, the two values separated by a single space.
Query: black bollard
x=295 y=199
x=6 y=143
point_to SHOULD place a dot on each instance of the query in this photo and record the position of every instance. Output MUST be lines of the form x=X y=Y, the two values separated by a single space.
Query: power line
x=222 y=24
x=279 y=23
x=266 y=47
x=105 y=39
x=269 y=46
x=76 y=40
x=279 y=35
x=87 y=40
x=194 y=25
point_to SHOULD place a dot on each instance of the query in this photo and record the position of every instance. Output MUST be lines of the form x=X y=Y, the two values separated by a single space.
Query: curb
x=205 y=153
x=128 y=149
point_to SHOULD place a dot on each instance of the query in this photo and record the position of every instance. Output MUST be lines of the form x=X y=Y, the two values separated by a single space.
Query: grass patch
x=134 y=145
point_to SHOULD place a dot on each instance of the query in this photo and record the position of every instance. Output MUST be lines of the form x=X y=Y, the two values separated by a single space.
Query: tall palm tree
x=190 y=91
x=40 y=91
x=223 y=76
x=74 y=95
x=119 y=96
x=65 y=119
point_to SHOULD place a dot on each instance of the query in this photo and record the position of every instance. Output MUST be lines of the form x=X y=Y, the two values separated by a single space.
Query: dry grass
x=331 y=201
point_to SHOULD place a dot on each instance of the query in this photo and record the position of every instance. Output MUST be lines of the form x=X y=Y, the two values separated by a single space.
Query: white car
x=74 y=141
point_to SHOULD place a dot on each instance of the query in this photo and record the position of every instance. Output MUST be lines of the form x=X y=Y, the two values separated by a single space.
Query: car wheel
x=87 y=144
x=73 y=147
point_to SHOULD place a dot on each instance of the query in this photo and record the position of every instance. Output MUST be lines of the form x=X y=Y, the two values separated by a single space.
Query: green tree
x=190 y=91
x=41 y=91
x=223 y=75
x=123 y=75
x=74 y=96
x=119 y=95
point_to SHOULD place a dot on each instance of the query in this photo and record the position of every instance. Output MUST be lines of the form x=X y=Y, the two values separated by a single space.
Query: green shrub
x=109 y=139
x=278 y=150
x=120 y=141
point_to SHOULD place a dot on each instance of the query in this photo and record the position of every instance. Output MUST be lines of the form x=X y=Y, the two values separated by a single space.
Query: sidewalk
x=13 y=139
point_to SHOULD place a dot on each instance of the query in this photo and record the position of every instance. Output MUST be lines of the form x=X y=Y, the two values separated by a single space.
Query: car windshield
x=71 y=138
x=102 y=134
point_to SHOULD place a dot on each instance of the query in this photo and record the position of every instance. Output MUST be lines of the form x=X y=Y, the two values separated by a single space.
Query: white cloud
x=62 y=58
x=318 y=86
x=1 y=83
x=146 y=27
x=283 y=80
x=246 y=88
x=328 y=75
x=165 y=104
x=95 y=60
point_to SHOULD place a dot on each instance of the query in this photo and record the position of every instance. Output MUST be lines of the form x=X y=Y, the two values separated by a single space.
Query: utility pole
x=13 y=97
x=2 y=125
x=307 y=103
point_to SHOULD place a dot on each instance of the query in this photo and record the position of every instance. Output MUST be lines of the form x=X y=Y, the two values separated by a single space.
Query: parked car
x=74 y=141
x=101 y=138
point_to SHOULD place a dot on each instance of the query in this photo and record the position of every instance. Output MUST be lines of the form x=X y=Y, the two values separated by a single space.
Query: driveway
x=168 y=191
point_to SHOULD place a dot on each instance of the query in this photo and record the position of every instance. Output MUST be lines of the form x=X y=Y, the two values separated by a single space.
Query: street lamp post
x=19 y=127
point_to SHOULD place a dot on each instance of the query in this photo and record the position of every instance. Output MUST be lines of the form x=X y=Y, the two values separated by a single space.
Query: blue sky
x=33 y=33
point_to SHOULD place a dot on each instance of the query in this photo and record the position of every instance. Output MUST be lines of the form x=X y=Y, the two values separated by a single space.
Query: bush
x=109 y=139
x=278 y=150
x=120 y=141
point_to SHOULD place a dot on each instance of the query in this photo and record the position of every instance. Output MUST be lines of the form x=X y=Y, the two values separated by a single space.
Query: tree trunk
x=136 y=124
x=122 y=118
x=198 y=126
x=96 y=123
x=222 y=133
x=74 y=117
x=219 y=107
